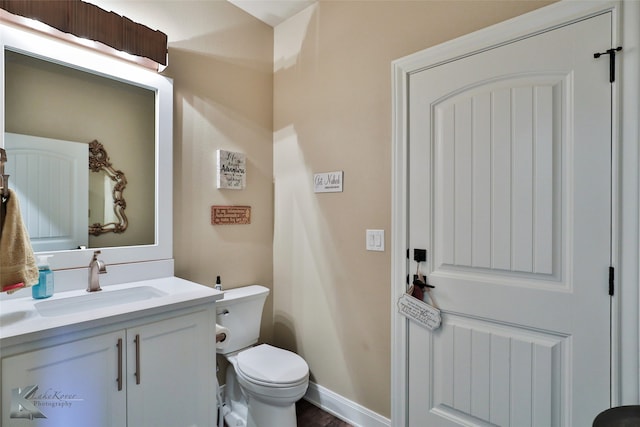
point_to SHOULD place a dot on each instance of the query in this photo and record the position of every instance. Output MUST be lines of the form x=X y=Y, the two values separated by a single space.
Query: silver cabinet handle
x=137 y=341
x=119 y=379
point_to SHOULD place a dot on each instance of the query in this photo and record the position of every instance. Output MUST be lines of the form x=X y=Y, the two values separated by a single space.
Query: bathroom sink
x=21 y=317
x=96 y=300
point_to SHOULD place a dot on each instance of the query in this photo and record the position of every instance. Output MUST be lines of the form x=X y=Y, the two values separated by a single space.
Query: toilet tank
x=240 y=311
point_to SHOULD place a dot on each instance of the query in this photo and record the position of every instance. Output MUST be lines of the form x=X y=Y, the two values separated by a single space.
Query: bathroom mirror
x=145 y=151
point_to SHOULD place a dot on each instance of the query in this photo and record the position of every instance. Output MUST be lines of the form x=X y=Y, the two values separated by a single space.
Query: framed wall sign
x=232 y=170
x=328 y=182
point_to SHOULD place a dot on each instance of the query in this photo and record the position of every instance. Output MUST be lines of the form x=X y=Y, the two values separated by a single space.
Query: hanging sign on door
x=419 y=311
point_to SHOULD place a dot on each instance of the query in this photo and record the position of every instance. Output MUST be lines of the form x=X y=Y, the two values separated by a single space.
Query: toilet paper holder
x=222 y=336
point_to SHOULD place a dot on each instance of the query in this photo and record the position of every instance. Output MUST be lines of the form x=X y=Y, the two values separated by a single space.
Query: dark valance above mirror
x=88 y=21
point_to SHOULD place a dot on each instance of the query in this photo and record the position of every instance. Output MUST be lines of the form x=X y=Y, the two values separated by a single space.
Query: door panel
x=510 y=193
x=51 y=176
x=482 y=370
x=495 y=199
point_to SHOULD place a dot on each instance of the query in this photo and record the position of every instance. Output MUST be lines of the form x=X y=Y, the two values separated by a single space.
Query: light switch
x=375 y=240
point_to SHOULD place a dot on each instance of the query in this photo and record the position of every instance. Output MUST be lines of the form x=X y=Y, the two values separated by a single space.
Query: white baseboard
x=348 y=411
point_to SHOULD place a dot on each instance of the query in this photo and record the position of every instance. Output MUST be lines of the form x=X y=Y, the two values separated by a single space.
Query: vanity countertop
x=27 y=318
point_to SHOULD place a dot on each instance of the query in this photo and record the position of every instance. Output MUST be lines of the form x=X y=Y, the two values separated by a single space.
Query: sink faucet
x=95 y=267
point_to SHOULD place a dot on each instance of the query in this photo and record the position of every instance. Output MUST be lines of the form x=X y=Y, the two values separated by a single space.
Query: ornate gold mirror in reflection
x=107 y=214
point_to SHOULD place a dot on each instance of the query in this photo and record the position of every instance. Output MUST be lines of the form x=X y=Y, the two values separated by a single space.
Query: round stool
x=620 y=416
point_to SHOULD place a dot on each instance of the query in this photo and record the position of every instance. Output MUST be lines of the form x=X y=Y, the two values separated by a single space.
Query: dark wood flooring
x=309 y=415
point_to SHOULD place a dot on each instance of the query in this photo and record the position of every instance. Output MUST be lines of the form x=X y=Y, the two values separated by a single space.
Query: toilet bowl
x=263 y=382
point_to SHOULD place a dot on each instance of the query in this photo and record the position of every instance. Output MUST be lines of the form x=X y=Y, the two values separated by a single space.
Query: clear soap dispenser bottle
x=44 y=288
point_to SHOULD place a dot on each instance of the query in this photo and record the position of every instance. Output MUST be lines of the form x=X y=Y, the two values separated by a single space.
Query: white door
x=51 y=179
x=510 y=193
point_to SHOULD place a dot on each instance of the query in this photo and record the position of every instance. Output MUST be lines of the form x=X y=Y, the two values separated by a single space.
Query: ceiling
x=273 y=12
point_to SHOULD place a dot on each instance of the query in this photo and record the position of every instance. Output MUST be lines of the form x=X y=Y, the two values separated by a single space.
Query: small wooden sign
x=221 y=215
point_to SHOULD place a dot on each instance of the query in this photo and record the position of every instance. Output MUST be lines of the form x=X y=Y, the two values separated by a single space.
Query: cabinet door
x=170 y=373
x=73 y=384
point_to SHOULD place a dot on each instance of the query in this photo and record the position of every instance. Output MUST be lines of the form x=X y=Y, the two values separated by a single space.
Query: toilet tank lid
x=274 y=365
x=244 y=291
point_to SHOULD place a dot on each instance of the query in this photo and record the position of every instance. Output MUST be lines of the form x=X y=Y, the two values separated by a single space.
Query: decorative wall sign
x=419 y=311
x=328 y=182
x=232 y=170
x=222 y=215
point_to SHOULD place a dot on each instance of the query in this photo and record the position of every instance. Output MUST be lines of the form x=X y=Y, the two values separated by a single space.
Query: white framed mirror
x=19 y=42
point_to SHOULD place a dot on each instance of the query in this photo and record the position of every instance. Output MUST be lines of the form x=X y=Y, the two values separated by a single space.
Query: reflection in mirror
x=52 y=101
x=106 y=201
x=50 y=175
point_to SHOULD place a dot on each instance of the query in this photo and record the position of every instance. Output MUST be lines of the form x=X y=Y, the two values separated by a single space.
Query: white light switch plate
x=375 y=240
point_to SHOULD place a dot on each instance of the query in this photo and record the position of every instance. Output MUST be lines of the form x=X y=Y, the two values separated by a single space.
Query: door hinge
x=611 y=280
x=612 y=61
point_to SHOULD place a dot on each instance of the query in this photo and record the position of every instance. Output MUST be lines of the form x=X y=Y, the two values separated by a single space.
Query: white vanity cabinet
x=76 y=384
x=170 y=372
x=151 y=372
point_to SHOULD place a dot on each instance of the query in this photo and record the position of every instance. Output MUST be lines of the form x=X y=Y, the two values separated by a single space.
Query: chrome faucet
x=95 y=267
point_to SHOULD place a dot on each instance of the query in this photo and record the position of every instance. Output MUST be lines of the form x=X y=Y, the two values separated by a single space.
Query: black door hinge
x=611 y=280
x=612 y=61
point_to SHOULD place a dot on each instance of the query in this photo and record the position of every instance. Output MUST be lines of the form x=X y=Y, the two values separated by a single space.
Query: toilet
x=263 y=382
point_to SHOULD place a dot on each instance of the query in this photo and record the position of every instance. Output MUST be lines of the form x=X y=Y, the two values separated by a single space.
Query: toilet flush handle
x=224 y=312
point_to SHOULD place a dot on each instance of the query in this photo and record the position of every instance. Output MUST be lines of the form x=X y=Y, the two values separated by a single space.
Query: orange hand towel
x=17 y=261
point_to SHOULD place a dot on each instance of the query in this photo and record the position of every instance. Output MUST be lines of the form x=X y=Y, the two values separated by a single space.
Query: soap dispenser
x=44 y=288
x=218 y=285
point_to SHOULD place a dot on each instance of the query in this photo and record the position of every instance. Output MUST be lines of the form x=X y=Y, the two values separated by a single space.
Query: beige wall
x=332 y=111
x=220 y=62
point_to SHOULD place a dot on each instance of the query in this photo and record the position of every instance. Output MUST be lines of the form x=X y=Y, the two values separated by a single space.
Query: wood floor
x=309 y=415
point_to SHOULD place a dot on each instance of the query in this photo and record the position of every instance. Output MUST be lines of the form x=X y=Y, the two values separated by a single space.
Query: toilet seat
x=271 y=366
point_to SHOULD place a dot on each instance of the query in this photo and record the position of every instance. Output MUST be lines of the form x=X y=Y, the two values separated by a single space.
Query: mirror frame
x=34 y=43
x=99 y=162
